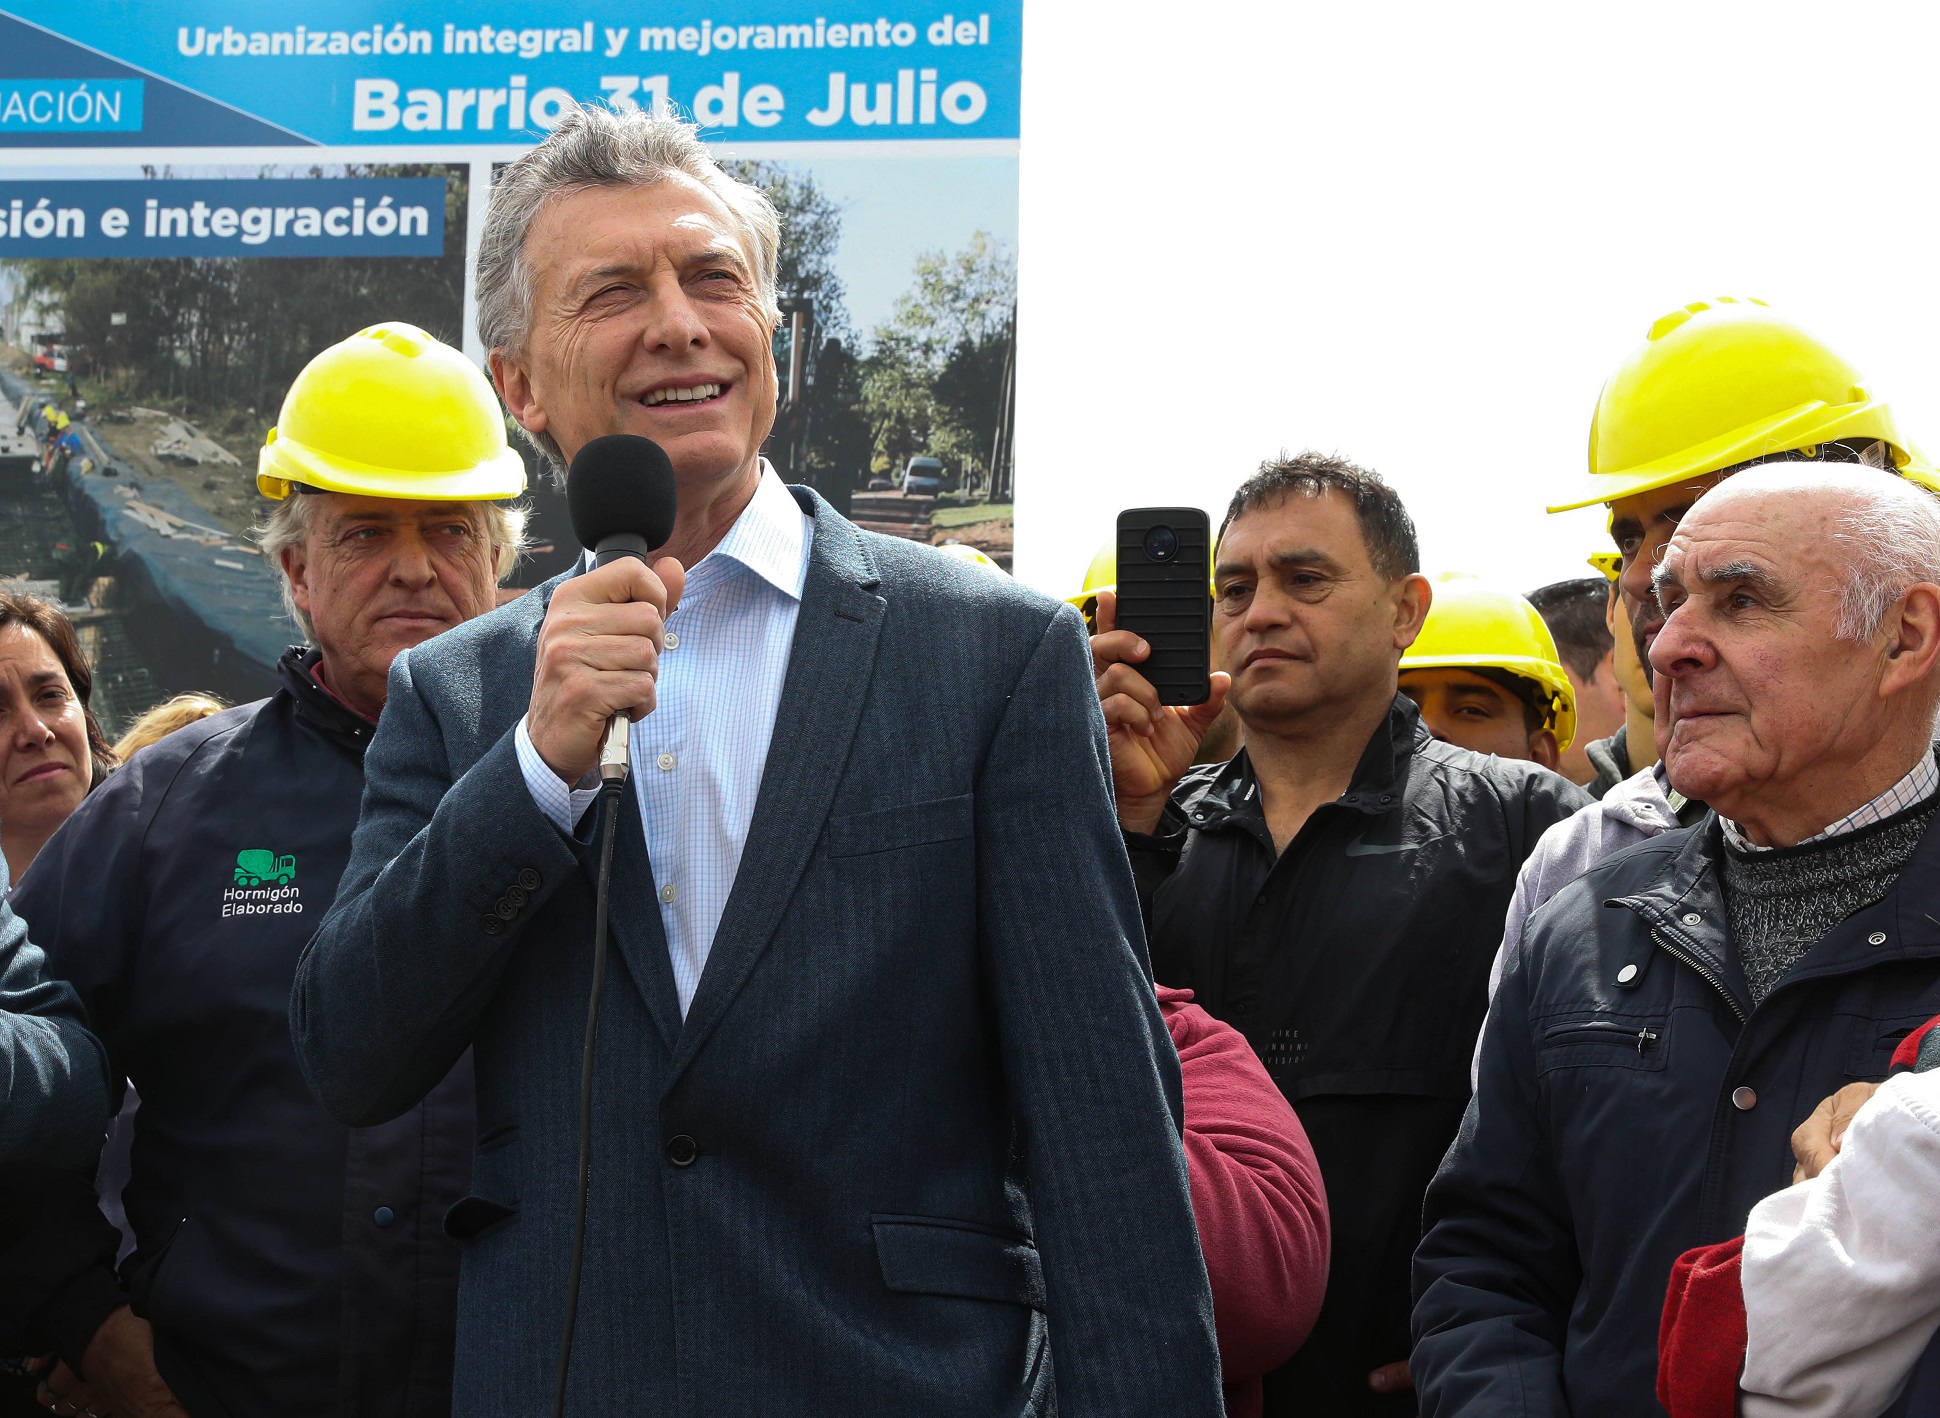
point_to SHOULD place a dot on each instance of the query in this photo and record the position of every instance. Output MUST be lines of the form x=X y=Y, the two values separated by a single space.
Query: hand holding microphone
x=599 y=649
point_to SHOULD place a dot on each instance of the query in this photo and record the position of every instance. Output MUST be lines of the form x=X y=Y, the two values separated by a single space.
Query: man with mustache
x=1665 y=1022
x=283 y=1263
x=1336 y=889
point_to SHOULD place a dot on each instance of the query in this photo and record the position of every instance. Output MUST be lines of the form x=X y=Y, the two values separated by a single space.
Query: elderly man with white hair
x=1667 y=1020
x=283 y=1263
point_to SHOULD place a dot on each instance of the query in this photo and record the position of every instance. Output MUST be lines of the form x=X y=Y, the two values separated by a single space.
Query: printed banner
x=758 y=70
x=154 y=156
x=251 y=217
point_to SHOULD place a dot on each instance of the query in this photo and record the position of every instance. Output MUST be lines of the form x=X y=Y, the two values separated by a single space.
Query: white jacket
x=1842 y=1273
x=1635 y=810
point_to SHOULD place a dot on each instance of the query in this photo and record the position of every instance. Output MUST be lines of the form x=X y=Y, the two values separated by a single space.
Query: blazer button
x=515 y=896
x=528 y=879
x=506 y=908
x=491 y=925
x=681 y=1150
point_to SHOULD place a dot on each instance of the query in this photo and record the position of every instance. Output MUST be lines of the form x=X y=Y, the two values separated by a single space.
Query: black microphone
x=620 y=492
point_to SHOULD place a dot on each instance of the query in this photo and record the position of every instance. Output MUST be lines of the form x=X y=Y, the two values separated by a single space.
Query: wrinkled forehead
x=619 y=228
x=1292 y=524
x=1777 y=542
x=341 y=508
x=24 y=651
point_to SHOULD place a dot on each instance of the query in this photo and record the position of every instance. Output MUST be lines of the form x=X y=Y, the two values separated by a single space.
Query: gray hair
x=593 y=147
x=1890 y=532
x=289 y=523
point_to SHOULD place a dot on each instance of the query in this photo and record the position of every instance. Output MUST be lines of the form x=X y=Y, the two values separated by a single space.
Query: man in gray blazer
x=885 y=1115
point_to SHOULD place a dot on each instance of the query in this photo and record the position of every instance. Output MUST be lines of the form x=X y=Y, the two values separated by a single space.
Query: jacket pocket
x=1874 y=1042
x=926 y=1256
x=1604 y=1041
x=473 y=1218
x=858 y=834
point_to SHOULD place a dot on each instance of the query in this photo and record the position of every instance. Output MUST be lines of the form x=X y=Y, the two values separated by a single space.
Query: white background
x=1423 y=234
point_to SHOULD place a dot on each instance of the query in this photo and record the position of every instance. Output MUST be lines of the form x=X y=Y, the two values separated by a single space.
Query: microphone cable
x=611 y=786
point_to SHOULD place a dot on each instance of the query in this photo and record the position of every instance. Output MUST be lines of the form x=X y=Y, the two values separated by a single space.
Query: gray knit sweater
x=1781 y=902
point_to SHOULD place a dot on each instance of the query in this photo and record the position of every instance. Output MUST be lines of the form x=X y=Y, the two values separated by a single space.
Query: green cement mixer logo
x=265 y=886
x=256 y=867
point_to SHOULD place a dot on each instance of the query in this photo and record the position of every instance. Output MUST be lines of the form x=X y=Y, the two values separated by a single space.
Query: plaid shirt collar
x=1915 y=787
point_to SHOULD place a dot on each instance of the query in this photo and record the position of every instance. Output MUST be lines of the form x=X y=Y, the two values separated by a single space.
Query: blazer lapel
x=633 y=911
x=822 y=698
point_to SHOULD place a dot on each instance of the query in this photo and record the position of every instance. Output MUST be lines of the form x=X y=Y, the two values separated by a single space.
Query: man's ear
x=296 y=566
x=1543 y=749
x=1412 y=597
x=1912 y=634
x=514 y=386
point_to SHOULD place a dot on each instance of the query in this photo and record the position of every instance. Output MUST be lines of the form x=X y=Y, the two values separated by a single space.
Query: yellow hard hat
x=1474 y=626
x=963 y=551
x=391 y=412
x=1610 y=563
x=1720 y=382
x=1101 y=575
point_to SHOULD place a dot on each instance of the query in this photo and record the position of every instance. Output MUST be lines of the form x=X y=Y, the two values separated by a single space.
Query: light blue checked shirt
x=698 y=757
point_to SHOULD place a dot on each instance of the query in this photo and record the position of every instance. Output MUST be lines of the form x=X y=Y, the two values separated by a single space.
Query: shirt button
x=665 y=762
x=1692 y=918
x=673 y=640
x=383 y=1216
x=681 y=1150
x=667 y=892
x=1743 y=1099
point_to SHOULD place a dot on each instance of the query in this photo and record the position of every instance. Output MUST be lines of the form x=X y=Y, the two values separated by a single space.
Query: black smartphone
x=1164 y=594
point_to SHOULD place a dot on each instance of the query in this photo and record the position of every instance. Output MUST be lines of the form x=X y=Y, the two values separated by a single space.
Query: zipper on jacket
x=1704 y=972
x=1601 y=1031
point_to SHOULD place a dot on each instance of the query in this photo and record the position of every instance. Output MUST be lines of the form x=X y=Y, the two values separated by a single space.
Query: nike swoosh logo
x=1358 y=848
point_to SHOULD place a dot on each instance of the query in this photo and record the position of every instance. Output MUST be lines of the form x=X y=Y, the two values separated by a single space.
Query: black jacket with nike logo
x=1357 y=965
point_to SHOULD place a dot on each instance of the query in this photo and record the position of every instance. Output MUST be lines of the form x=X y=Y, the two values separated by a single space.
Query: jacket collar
x=1684 y=902
x=1232 y=794
x=316 y=706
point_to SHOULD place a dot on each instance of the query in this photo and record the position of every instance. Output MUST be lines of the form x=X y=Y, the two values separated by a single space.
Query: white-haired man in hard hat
x=1716 y=387
x=283 y=1263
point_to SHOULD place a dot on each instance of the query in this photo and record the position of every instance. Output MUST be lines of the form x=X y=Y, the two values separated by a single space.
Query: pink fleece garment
x=1257 y=1196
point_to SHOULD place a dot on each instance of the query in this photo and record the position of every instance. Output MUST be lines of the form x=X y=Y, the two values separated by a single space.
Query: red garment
x=1701 y=1339
x=1908 y=1053
x=1257 y=1197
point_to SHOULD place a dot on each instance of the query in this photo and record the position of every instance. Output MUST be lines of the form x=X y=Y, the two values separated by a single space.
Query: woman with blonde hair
x=164 y=719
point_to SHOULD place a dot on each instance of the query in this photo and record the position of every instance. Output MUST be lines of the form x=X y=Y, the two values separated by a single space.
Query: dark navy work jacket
x=1634 y=1103
x=290 y=1265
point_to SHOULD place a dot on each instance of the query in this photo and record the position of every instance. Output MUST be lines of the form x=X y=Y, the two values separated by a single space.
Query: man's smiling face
x=646 y=319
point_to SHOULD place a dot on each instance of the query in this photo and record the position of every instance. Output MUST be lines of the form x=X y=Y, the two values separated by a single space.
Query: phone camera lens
x=1161 y=543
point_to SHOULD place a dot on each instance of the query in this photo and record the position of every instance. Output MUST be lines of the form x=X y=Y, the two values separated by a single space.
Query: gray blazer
x=919 y=1131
